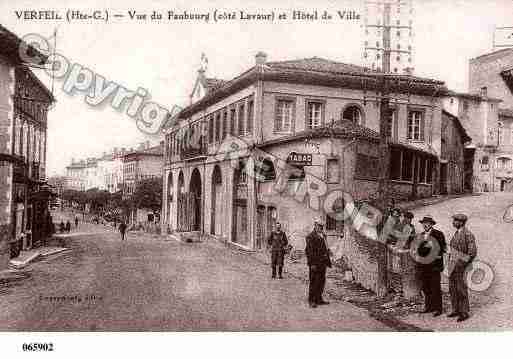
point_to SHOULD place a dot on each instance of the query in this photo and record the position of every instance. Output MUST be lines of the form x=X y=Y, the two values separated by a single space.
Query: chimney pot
x=260 y=58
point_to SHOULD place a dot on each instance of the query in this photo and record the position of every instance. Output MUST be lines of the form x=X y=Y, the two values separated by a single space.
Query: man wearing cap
x=277 y=241
x=463 y=251
x=429 y=247
x=318 y=259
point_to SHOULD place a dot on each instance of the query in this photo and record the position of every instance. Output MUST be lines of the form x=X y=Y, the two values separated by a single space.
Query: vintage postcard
x=255 y=166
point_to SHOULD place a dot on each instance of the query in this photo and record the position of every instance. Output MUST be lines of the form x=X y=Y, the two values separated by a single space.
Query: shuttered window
x=416 y=125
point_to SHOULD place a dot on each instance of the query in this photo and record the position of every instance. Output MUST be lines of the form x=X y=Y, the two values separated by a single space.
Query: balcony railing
x=192 y=152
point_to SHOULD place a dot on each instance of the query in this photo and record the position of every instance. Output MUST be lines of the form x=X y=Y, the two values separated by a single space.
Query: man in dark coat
x=463 y=251
x=122 y=230
x=318 y=259
x=429 y=247
x=277 y=242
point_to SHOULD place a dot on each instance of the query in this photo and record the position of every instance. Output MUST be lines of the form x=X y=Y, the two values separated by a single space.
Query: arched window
x=265 y=170
x=354 y=114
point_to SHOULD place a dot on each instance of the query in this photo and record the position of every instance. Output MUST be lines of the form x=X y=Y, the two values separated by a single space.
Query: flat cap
x=460 y=217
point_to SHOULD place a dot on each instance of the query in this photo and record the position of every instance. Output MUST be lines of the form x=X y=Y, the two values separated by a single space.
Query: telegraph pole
x=383 y=28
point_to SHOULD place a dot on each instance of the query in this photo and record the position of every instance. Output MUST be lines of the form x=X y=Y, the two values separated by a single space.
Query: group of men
x=428 y=248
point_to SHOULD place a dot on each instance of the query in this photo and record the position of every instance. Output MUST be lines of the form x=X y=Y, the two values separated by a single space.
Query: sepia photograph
x=255 y=167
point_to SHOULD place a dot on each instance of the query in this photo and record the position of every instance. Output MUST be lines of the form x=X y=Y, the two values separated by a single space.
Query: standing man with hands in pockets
x=318 y=259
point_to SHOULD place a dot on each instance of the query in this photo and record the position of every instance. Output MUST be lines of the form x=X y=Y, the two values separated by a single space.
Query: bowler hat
x=460 y=217
x=428 y=218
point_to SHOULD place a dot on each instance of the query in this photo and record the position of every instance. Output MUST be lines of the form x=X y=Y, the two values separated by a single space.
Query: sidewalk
x=27 y=257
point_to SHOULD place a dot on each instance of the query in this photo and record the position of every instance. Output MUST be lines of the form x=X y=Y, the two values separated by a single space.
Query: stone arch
x=195 y=192
x=169 y=196
x=353 y=112
x=216 y=198
x=180 y=202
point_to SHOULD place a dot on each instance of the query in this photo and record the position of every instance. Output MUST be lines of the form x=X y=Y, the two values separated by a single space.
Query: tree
x=148 y=194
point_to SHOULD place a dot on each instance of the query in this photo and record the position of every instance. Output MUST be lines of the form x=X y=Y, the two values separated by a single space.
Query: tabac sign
x=299 y=159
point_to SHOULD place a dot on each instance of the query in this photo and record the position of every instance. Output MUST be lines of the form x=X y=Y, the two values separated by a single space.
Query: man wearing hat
x=463 y=251
x=318 y=259
x=429 y=247
x=277 y=242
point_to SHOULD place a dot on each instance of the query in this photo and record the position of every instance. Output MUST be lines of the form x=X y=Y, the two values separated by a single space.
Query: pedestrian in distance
x=463 y=251
x=430 y=246
x=277 y=242
x=318 y=259
x=68 y=226
x=61 y=227
x=122 y=229
x=76 y=222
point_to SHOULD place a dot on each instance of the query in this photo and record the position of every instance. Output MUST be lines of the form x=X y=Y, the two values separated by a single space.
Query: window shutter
x=277 y=124
x=422 y=125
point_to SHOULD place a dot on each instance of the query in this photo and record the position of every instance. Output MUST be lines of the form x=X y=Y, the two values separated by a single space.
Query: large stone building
x=491 y=84
x=273 y=142
x=144 y=163
x=24 y=105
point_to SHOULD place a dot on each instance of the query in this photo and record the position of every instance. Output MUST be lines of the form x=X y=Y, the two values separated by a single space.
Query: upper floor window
x=232 y=122
x=500 y=130
x=503 y=163
x=218 y=126
x=249 y=124
x=354 y=114
x=241 y=120
x=315 y=114
x=210 y=120
x=225 y=123
x=284 y=114
x=416 y=125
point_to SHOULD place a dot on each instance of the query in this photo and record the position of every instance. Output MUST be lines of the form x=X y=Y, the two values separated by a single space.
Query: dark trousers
x=432 y=289
x=277 y=258
x=122 y=236
x=458 y=291
x=317 y=281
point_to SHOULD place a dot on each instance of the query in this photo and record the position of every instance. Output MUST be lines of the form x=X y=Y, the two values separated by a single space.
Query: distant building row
x=120 y=170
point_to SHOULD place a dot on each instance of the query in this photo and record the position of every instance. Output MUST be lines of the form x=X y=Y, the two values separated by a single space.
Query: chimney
x=260 y=58
x=72 y=160
x=123 y=150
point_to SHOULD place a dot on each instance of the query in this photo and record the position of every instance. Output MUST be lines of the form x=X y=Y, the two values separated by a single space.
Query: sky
x=163 y=56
